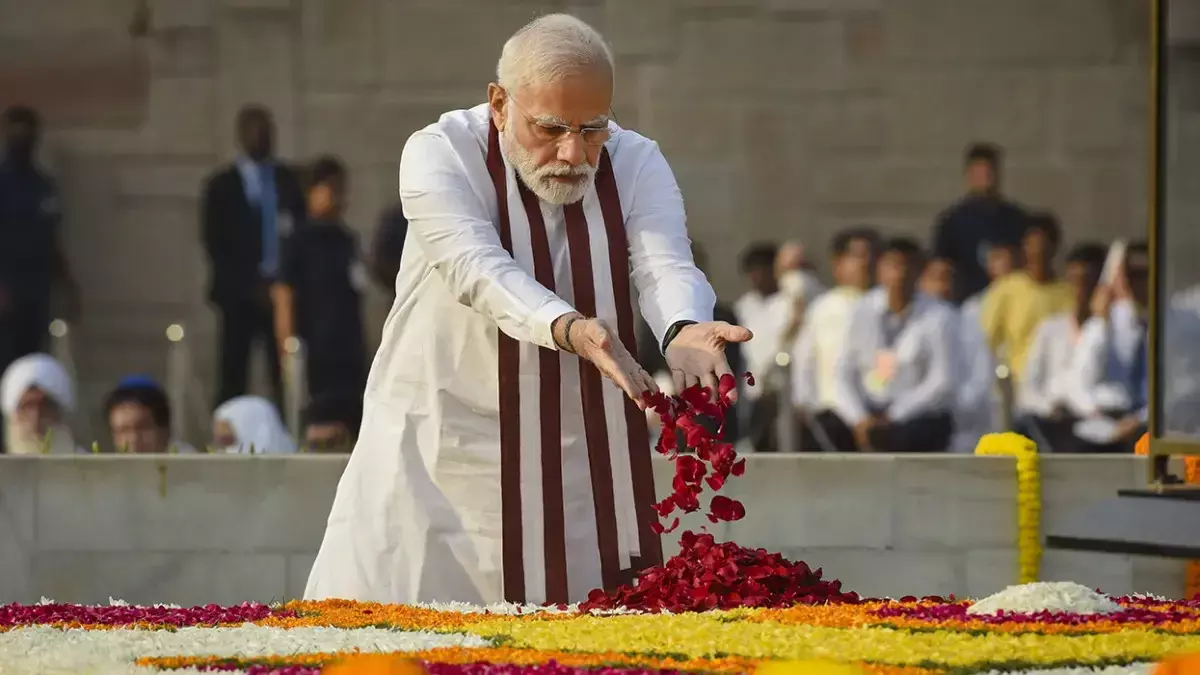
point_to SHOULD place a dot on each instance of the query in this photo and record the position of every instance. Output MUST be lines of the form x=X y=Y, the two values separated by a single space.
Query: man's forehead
x=583 y=99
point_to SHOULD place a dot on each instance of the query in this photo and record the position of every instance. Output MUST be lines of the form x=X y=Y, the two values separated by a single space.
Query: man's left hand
x=697 y=354
x=1127 y=427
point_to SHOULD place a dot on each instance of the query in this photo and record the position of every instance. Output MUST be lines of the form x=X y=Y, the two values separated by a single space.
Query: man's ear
x=497 y=102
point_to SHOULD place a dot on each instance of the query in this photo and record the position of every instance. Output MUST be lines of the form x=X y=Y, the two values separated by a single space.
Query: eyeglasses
x=551 y=133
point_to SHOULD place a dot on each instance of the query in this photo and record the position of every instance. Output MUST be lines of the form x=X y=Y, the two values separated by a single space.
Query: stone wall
x=782 y=118
x=199 y=529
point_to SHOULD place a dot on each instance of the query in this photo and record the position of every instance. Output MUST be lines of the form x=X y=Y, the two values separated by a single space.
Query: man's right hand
x=862 y=433
x=593 y=341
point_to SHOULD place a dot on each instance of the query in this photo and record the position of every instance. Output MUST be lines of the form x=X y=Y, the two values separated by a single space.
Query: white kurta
x=419 y=514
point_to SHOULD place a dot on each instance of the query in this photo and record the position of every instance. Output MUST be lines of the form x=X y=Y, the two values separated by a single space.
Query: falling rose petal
x=726 y=509
x=690 y=469
x=715 y=481
x=738 y=468
x=750 y=379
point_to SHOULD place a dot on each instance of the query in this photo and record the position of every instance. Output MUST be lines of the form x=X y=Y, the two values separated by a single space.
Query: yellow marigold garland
x=1029 y=497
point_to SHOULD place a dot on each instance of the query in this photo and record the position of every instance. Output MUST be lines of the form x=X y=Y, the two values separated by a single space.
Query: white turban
x=36 y=370
x=257 y=424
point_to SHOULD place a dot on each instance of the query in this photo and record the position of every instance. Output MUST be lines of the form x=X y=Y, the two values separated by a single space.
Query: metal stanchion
x=295 y=385
x=60 y=346
x=178 y=377
x=785 y=421
x=1004 y=383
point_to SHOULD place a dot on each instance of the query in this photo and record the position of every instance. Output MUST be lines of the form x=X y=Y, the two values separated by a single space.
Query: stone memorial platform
x=226 y=529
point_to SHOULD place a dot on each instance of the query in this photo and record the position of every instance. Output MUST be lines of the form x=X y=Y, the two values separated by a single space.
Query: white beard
x=538 y=178
x=20 y=442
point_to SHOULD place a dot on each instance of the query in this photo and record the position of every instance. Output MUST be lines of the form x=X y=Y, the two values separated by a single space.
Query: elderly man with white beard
x=36 y=395
x=502 y=454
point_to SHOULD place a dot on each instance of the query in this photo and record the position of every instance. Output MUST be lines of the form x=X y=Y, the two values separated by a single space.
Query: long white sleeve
x=450 y=223
x=670 y=286
x=847 y=393
x=1034 y=394
x=937 y=387
x=1088 y=366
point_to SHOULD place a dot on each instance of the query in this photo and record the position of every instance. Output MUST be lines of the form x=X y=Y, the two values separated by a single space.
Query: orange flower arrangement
x=1182 y=664
x=374 y=664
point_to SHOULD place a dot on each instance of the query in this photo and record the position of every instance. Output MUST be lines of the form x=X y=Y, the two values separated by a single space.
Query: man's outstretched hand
x=697 y=354
x=596 y=343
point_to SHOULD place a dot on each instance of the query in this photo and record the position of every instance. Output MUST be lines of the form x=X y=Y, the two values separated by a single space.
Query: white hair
x=550 y=48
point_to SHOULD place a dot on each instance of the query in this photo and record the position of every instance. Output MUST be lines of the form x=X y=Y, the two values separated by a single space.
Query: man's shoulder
x=457 y=140
x=1055 y=322
x=629 y=149
x=222 y=175
x=828 y=302
x=464 y=124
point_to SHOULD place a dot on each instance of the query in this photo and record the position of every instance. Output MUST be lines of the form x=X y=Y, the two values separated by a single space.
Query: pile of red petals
x=123 y=615
x=706 y=575
x=697 y=418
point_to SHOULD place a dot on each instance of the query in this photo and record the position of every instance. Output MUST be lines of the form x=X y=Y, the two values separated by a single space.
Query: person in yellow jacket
x=1016 y=304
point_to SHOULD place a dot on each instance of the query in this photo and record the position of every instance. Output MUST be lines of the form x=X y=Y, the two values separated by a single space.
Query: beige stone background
x=781 y=118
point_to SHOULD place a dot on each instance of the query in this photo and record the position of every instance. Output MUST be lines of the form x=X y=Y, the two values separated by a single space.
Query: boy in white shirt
x=976 y=407
x=896 y=376
x=1110 y=368
x=821 y=338
x=1044 y=401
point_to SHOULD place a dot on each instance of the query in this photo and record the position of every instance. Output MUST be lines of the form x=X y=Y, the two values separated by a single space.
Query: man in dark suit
x=249 y=208
x=979 y=222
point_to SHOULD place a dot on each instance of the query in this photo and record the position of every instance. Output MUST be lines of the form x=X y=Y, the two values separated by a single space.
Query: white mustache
x=563 y=171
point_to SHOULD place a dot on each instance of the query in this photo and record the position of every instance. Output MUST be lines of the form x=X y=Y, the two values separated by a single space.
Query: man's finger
x=650 y=382
x=679 y=380
x=723 y=369
x=731 y=333
x=710 y=380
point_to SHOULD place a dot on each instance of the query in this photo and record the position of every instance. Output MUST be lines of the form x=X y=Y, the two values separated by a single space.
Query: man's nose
x=571 y=150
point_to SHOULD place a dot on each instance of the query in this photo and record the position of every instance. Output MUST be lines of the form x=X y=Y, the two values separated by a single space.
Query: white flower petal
x=1135 y=669
x=54 y=651
x=1050 y=596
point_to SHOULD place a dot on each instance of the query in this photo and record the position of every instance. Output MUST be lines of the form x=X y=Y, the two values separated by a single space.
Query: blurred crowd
x=904 y=348
x=923 y=349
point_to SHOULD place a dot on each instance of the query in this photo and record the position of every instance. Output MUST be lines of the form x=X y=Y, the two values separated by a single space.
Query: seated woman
x=36 y=395
x=250 y=425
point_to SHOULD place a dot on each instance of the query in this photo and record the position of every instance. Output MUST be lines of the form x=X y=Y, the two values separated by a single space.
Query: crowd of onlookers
x=924 y=350
x=906 y=349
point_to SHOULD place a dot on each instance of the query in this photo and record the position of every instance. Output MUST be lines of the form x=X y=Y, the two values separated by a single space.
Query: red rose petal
x=724 y=508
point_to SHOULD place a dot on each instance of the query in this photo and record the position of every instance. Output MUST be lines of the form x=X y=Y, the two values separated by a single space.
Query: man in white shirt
x=896 y=375
x=976 y=406
x=822 y=336
x=765 y=310
x=1044 y=401
x=494 y=462
x=1110 y=365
